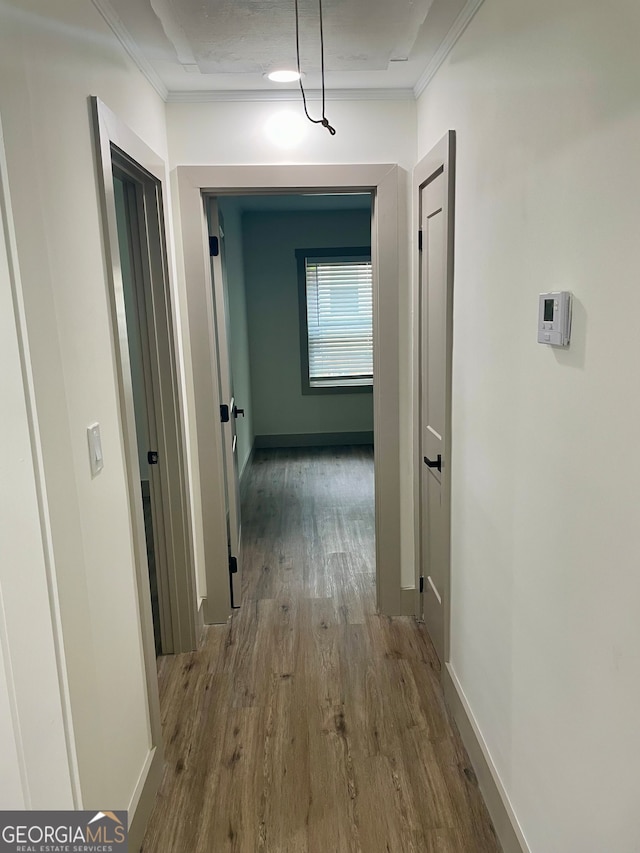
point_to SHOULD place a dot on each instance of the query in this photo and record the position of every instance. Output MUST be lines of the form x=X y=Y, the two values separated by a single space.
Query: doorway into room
x=143 y=316
x=128 y=202
x=293 y=297
x=387 y=187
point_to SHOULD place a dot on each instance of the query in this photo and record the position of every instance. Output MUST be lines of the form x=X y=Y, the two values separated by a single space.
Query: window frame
x=301 y=258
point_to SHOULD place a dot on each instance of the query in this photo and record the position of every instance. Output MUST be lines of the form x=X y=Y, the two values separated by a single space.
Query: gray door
x=227 y=398
x=137 y=296
x=149 y=388
x=436 y=305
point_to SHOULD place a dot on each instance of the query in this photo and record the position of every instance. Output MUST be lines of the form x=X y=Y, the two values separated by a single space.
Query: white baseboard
x=144 y=797
x=504 y=819
x=314 y=439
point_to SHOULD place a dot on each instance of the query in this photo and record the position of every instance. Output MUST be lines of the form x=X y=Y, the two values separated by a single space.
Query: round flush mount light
x=283 y=75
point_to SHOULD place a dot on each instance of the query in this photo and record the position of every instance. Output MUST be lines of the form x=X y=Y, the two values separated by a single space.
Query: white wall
x=48 y=68
x=276 y=132
x=545 y=99
x=271 y=274
x=37 y=769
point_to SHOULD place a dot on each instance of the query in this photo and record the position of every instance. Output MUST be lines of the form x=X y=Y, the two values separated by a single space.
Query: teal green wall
x=239 y=335
x=270 y=272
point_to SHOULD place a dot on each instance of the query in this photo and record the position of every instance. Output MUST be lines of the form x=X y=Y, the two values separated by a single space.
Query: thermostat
x=554 y=318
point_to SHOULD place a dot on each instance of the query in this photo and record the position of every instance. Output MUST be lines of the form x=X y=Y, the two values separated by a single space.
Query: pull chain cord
x=324 y=121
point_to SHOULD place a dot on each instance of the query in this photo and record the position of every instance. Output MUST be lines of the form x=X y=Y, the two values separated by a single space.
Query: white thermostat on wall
x=554 y=318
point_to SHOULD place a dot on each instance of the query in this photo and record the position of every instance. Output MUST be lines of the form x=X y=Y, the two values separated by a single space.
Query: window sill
x=338 y=386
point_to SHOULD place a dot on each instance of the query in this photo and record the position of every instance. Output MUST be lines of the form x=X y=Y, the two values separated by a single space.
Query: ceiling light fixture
x=283 y=75
x=324 y=121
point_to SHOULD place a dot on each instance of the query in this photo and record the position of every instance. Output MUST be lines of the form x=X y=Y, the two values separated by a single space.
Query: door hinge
x=420 y=240
x=421 y=584
x=214 y=247
x=224 y=414
x=152 y=457
x=233 y=565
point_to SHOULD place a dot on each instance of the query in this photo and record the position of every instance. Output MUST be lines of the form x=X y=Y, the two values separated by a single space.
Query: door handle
x=237 y=412
x=437 y=464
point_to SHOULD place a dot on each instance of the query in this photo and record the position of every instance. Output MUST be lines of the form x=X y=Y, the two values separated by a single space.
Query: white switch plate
x=95 y=449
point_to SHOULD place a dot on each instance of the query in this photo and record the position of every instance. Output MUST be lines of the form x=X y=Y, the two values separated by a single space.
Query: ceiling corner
x=126 y=40
x=459 y=26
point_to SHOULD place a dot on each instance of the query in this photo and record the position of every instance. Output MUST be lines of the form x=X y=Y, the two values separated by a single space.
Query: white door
x=229 y=408
x=436 y=281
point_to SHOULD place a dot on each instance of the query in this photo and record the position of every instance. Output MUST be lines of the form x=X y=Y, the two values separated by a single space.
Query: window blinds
x=339 y=318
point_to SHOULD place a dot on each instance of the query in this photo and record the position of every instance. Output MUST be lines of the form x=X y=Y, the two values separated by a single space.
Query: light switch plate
x=96 y=459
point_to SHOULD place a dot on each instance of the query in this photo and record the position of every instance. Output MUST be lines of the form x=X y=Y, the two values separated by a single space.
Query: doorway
x=293 y=289
x=133 y=183
x=129 y=201
x=148 y=327
x=387 y=184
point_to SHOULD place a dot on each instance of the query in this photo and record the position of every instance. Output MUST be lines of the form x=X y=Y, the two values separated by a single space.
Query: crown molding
x=124 y=37
x=459 y=26
x=207 y=96
x=114 y=21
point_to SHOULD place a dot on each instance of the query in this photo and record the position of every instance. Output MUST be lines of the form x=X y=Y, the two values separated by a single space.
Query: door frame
x=388 y=185
x=115 y=139
x=440 y=158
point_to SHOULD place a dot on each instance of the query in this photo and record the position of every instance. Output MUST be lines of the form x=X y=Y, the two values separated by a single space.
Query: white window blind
x=339 y=319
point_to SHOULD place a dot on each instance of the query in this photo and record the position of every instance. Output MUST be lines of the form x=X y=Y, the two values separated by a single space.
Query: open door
x=435 y=189
x=136 y=284
x=229 y=411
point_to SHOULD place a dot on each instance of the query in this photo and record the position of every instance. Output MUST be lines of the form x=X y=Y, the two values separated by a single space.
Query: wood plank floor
x=309 y=724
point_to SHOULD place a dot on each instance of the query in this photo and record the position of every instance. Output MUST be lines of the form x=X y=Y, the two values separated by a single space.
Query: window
x=336 y=319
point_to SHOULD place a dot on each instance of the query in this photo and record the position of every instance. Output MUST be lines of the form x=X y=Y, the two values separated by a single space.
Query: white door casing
x=387 y=183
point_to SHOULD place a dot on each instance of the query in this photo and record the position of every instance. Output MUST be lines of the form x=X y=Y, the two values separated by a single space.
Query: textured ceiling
x=209 y=45
x=242 y=36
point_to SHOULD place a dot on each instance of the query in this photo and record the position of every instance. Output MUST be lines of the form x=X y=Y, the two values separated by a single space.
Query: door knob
x=237 y=412
x=437 y=464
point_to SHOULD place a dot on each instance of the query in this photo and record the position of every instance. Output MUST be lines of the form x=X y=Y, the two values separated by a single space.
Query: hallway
x=309 y=723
